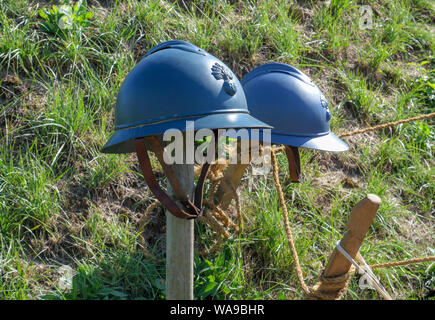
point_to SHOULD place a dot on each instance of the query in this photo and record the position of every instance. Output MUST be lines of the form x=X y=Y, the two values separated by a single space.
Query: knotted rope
x=328 y=288
x=214 y=216
x=331 y=288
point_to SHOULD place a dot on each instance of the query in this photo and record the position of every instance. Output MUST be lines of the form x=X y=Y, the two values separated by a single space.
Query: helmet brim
x=327 y=142
x=122 y=141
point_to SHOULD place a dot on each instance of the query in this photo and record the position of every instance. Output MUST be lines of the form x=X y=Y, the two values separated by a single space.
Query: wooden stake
x=357 y=227
x=180 y=237
x=179 y=244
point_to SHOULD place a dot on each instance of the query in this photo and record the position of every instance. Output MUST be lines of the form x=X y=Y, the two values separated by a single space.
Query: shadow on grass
x=116 y=276
x=130 y=276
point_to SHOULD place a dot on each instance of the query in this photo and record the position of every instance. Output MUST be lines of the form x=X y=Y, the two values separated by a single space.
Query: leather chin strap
x=194 y=210
x=294 y=163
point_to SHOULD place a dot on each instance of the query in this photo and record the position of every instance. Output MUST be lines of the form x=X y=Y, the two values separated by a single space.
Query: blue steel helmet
x=177 y=81
x=287 y=99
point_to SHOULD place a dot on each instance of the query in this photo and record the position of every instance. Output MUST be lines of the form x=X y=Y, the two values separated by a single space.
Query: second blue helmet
x=288 y=100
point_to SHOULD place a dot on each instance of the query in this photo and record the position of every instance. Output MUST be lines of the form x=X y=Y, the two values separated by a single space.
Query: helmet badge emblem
x=324 y=104
x=220 y=73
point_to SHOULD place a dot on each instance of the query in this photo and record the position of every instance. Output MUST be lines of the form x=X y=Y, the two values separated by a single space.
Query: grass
x=63 y=203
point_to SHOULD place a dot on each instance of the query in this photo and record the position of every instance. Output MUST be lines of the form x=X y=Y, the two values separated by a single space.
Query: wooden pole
x=179 y=244
x=180 y=239
x=356 y=229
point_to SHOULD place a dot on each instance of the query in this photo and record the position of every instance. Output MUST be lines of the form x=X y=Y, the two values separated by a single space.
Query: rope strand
x=287 y=225
x=403 y=262
x=327 y=288
x=387 y=125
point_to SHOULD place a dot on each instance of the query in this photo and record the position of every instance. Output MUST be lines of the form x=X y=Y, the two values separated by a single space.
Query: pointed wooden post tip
x=374 y=198
x=358 y=225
